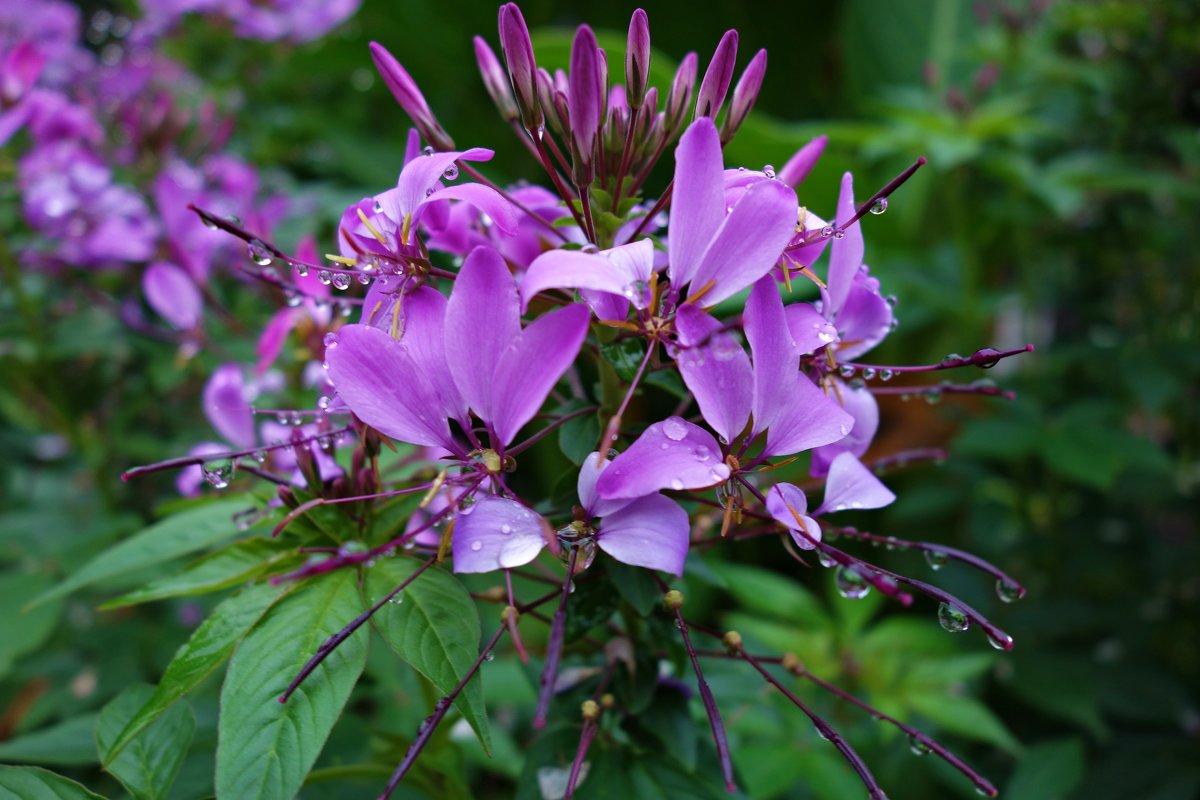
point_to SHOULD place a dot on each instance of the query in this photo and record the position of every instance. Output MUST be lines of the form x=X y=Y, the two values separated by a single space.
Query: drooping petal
x=381 y=383
x=748 y=242
x=696 y=202
x=776 y=358
x=862 y=406
x=501 y=212
x=810 y=330
x=672 y=454
x=717 y=373
x=851 y=485
x=482 y=322
x=496 y=533
x=572 y=269
x=589 y=473
x=864 y=319
x=650 y=532
x=172 y=293
x=528 y=370
x=788 y=505
x=846 y=253
x=227 y=407
x=420 y=176
x=807 y=419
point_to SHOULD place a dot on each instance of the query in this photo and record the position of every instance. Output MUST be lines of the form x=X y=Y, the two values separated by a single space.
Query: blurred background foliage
x=1059 y=207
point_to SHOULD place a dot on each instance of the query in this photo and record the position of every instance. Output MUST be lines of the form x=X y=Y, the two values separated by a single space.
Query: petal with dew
x=650 y=532
x=382 y=384
x=571 y=269
x=421 y=175
x=697 y=206
x=862 y=406
x=589 y=473
x=672 y=454
x=482 y=322
x=809 y=328
x=846 y=253
x=718 y=373
x=850 y=485
x=806 y=420
x=749 y=241
x=528 y=370
x=487 y=200
x=496 y=533
x=865 y=319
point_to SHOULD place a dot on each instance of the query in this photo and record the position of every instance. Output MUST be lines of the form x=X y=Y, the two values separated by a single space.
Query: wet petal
x=528 y=370
x=572 y=269
x=697 y=206
x=482 y=322
x=718 y=374
x=776 y=359
x=748 y=242
x=589 y=473
x=227 y=407
x=496 y=533
x=381 y=383
x=862 y=406
x=420 y=176
x=502 y=213
x=809 y=328
x=845 y=254
x=806 y=420
x=851 y=485
x=787 y=504
x=672 y=454
x=864 y=319
x=423 y=318
x=651 y=532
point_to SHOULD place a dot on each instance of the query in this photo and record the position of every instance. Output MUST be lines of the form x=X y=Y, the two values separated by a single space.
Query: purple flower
x=609 y=280
x=850 y=485
x=671 y=454
x=172 y=293
x=717 y=249
x=648 y=531
x=443 y=357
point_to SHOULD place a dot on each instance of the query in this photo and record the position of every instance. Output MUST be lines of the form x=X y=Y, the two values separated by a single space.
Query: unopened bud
x=586 y=98
x=510 y=614
x=607 y=700
x=522 y=69
x=493 y=594
x=405 y=90
x=792 y=663
x=288 y=497
x=673 y=600
x=495 y=80
x=715 y=85
x=680 y=96
x=590 y=709
x=637 y=58
x=732 y=641
x=744 y=95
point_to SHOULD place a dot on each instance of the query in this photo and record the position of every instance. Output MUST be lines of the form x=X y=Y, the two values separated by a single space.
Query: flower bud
x=680 y=96
x=522 y=69
x=732 y=641
x=715 y=85
x=673 y=600
x=637 y=58
x=798 y=166
x=586 y=98
x=546 y=93
x=510 y=613
x=495 y=80
x=405 y=90
x=607 y=700
x=590 y=709
x=744 y=95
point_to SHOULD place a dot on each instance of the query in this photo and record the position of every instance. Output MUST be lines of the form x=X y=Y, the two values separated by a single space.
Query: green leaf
x=668 y=719
x=625 y=356
x=1048 y=771
x=185 y=532
x=35 y=783
x=966 y=717
x=229 y=566
x=264 y=747
x=435 y=629
x=23 y=631
x=148 y=765
x=773 y=595
x=208 y=648
x=635 y=585
x=578 y=437
x=69 y=743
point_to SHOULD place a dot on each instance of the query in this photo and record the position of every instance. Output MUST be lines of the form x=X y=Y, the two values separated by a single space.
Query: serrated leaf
x=435 y=629
x=69 y=743
x=229 y=566
x=148 y=765
x=35 y=783
x=264 y=747
x=207 y=649
x=178 y=535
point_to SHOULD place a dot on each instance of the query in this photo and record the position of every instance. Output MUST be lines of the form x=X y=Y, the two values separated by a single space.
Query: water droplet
x=868 y=373
x=397 y=600
x=325 y=277
x=506 y=528
x=1008 y=592
x=986 y=357
x=769 y=171
x=846 y=371
x=638 y=293
x=880 y=206
x=489 y=656
x=677 y=485
x=917 y=747
x=331 y=340
x=701 y=454
x=301 y=270
x=934 y=397
x=674 y=429
x=936 y=559
x=209 y=223
x=258 y=253
x=1000 y=641
x=427 y=150
x=827 y=231
x=218 y=473
x=377 y=207
x=429 y=192
x=340 y=281
x=476 y=546
x=269 y=274
x=260 y=456
x=953 y=618
x=851 y=584
x=886 y=374
x=665 y=446
x=826 y=560
x=451 y=172
x=952 y=360
x=890 y=299
x=292 y=298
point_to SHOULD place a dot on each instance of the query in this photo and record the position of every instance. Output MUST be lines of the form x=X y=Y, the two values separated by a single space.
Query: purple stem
x=663 y=200
x=945 y=387
x=883 y=193
x=984 y=358
x=191 y=461
x=332 y=642
x=554 y=647
x=478 y=176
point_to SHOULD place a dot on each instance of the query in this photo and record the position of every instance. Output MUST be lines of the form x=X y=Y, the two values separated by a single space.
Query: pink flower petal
x=672 y=454
x=651 y=532
x=496 y=533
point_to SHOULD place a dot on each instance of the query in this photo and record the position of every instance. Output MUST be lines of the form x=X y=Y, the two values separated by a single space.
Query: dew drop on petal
x=476 y=546
x=674 y=429
x=677 y=485
x=451 y=172
x=701 y=454
x=331 y=339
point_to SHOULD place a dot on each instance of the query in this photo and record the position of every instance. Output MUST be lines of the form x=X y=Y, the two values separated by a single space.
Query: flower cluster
x=492 y=317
